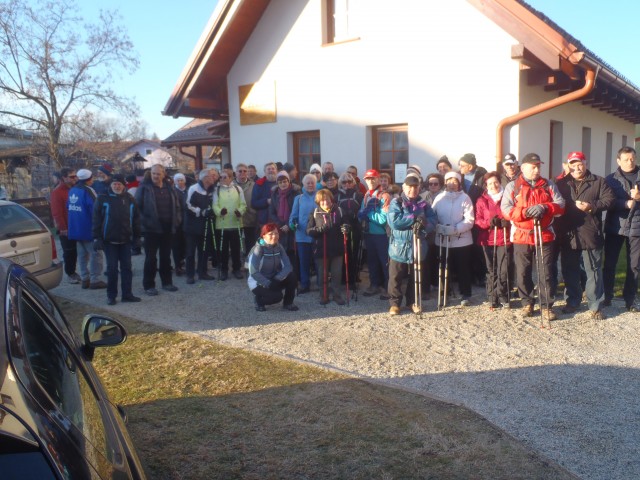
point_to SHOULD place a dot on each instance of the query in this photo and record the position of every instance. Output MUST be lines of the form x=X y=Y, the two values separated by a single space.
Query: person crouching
x=270 y=271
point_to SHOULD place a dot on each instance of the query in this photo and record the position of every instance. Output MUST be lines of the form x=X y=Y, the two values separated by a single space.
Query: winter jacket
x=287 y=239
x=373 y=212
x=455 y=209
x=303 y=206
x=477 y=184
x=59 y=209
x=335 y=241
x=198 y=200
x=116 y=218
x=401 y=217
x=267 y=263
x=486 y=209
x=583 y=230
x=101 y=187
x=249 y=216
x=260 y=199
x=350 y=201
x=145 y=198
x=621 y=220
x=230 y=198
x=80 y=208
x=520 y=195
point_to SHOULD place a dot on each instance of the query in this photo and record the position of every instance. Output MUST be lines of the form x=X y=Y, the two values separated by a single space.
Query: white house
x=381 y=84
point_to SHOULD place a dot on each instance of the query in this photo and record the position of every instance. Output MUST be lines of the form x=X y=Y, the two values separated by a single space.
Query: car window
x=17 y=221
x=57 y=372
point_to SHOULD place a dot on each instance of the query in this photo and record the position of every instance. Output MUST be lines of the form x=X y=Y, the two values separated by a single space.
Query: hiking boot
x=606 y=302
x=179 y=271
x=395 y=310
x=633 y=308
x=496 y=306
x=205 y=276
x=324 y=301
x=131 y=299
x=304 y=290
x=238 y=274
x=339 y=300
x=569 y=309
x=190 y=280
x=97 y=285
x=550 y=315
x=466 y=301
x=370 y=292
x=598 y=315
x=111 y=301
x=416 y=308
x=384 y=295
x=152 y=292
x=86 y=284
x=170 y=288
x=223 y=276
x=260 y=308
x=291 y=307
x=527 y=311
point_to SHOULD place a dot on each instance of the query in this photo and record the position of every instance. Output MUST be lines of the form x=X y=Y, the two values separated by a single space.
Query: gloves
x=223 y=212
x=208 y=213
x=293 y=227
x=535 y=211
x=495 y=222
x=137 y=242
x=275 y=284
x=237 y=213
x=345 y=229
x=97 y=244
x=420 y=222
x=440 y=229
x=322 y=228
x=445 y=230
x=504 y=223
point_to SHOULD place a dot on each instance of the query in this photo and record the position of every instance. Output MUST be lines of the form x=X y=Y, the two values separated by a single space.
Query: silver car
x=26 y=240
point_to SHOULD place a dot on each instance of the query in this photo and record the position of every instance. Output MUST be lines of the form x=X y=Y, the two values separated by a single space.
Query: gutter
x=590 y=82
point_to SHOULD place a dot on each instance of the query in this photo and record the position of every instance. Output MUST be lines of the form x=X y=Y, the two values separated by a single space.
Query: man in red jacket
x=60 y=215
x=527 y=201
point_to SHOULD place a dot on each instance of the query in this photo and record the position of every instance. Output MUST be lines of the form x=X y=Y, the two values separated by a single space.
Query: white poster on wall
x=400 y=173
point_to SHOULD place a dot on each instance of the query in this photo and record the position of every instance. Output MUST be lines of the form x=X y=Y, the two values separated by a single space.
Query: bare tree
x=96 y=127
x=54 y=68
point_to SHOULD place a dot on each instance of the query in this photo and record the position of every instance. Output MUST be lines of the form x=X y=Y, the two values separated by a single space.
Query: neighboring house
x=25 y=170
x=122 y=154
x=382 y=84
x=206 y=142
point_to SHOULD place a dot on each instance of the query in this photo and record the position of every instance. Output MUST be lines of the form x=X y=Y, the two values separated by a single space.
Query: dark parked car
x=56 y=420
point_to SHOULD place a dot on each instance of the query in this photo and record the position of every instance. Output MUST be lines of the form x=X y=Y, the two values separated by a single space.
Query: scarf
x=283 y=205
x=497 y=196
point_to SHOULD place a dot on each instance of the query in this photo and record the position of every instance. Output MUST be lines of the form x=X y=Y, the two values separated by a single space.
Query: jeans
x=90 y=262
x=118 y=253
x=378 y=259
x=69 y=254
x=571 y=271
x=157 y=244
x=524 y=256
x=305 y=256
x=612 y=246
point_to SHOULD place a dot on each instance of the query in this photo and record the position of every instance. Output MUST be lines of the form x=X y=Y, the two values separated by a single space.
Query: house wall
x=534 y=131
x=443 y=68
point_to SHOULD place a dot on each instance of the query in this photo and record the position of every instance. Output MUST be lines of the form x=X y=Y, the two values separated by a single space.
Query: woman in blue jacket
x=303 y=206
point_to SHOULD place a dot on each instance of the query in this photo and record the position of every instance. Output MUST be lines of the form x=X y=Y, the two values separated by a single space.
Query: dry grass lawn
x=199 y=410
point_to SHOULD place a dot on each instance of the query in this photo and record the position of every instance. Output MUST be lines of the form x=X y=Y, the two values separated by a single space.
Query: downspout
x=590 y=83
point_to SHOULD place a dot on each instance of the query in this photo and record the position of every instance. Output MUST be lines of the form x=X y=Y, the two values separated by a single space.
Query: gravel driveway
x=571 y=393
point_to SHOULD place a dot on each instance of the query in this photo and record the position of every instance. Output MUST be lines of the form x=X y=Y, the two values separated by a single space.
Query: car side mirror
x=99 y=331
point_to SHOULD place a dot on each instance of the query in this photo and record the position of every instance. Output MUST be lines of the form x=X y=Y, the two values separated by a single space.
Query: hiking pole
x=325 y=298
x=536 y=243
x=547 y=322
x=506 y=259
x=440 y=270
x=359 y=264
x=417 y=270
x=242 y=242
x=346 y=263
x=446 y=271
x=494 y=265
x=220 y=254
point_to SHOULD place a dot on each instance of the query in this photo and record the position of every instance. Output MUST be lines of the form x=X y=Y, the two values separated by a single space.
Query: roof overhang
x=201 y=91
x=558 y=62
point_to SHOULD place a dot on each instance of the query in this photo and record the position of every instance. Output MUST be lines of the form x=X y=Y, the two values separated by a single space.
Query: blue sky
x=165 y=34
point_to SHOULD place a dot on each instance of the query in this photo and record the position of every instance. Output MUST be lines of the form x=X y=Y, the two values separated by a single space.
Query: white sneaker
x=465 y=302
x=73 y=280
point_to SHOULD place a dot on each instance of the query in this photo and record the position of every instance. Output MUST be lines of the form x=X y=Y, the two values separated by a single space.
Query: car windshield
x=17 y=221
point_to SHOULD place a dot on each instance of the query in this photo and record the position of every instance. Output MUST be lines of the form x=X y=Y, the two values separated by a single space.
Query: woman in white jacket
x=454 y=210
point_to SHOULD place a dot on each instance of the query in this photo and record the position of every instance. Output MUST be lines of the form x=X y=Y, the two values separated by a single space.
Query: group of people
x=465 y=226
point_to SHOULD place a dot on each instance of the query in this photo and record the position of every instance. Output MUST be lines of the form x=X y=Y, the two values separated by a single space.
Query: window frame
x=375 y=160
x=297 y=154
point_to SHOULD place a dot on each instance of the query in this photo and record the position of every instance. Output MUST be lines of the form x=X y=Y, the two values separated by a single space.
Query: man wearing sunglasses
x=60 y=214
